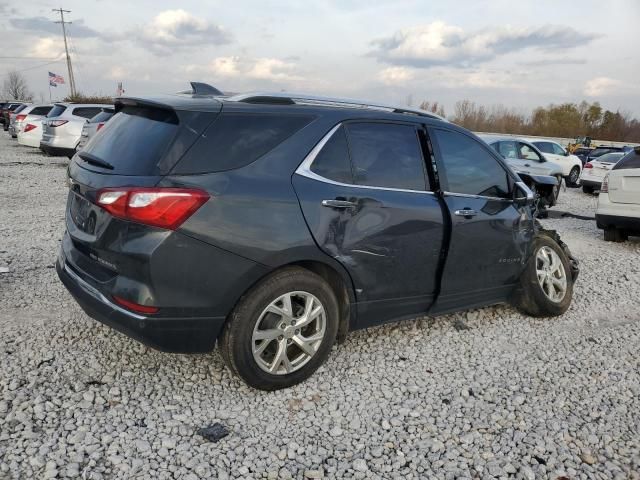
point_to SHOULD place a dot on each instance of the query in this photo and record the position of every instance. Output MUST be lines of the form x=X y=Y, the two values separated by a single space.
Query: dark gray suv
x=274 y=224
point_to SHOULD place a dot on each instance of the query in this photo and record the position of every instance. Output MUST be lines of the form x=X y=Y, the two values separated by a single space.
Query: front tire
x=282 y=330
x=546 y=284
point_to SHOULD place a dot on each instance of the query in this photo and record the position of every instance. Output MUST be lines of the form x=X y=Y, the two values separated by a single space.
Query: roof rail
x=296 y=99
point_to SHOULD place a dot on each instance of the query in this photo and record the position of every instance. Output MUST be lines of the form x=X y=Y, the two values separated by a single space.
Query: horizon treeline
x=569 y=120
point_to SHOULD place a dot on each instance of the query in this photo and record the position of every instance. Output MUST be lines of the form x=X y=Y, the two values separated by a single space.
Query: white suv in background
x=618 y=212
x=26 y=115
x=62 y=128
x=571 y=164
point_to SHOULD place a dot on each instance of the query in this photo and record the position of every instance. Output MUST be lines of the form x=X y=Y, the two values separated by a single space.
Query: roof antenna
x=200 y=88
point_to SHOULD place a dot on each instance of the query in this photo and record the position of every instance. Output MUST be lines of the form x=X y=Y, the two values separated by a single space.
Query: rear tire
x=546 y=284
x=613 y=234
x=281 y=362
x=587 y=189
x=572 y=178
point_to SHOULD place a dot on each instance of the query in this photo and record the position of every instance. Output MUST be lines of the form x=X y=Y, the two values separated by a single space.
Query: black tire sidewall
x=570 y=182
x=539 y=304
x=237 y=337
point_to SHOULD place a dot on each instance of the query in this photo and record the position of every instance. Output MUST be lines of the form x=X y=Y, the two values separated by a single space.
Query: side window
x=508 y=149
x=544 y=147
x=557 y=149
x=235 y=140
x=386 y=155
x=469 y=167
x=333 y=160
x=86 y=112
x=528 y=153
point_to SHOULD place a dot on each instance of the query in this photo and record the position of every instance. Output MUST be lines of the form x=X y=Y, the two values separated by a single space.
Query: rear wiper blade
x=93 y=160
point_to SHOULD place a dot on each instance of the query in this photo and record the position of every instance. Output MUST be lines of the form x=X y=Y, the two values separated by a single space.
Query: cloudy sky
x=517 y=53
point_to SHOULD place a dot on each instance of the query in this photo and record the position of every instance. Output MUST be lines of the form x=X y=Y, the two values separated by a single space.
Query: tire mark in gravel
x=37 y=164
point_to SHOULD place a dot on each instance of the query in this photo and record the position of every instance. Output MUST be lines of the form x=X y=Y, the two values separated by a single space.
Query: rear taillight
x=57 y=123
x=20 y=118
x=159 y=207
x=588 y=165
x=604 y=188
x=136 y=307
x=29 y=127
x=100 y=125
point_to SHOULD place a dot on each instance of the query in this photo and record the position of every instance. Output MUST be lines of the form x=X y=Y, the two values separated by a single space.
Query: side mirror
x=522 y=195
x=566 y=153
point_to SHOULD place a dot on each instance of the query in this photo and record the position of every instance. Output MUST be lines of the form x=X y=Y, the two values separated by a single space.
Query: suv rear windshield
x=103 y=116
x=238 y=139
x=136 y=140
x=630 y=160
x=56 y=111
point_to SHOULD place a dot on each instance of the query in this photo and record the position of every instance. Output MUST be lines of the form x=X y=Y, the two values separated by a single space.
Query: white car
x=618 y=212
x=31 y=134
x=26 y=115
x=62 y=128
x=594 y=171
x=571 y=164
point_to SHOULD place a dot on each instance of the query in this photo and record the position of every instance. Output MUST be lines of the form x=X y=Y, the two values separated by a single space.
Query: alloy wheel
x=551 y=274
x=288 y=333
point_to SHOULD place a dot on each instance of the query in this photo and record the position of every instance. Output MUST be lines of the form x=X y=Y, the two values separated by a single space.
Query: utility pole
x=72 y=82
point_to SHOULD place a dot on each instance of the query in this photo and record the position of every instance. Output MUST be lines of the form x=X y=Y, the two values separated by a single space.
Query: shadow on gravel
x=37 y=164
x=557 y=214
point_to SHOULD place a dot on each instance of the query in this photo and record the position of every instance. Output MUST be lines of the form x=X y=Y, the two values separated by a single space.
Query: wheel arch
x=336 y=276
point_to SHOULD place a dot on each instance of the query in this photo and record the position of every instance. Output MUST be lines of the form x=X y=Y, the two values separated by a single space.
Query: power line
x=30 y=58
x=33 y=67
x=72 y=82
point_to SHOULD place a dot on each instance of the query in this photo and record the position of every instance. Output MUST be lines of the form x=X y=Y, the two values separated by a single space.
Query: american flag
x=55 y=80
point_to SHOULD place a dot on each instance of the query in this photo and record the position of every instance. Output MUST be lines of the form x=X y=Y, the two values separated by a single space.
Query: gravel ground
x=482 y=394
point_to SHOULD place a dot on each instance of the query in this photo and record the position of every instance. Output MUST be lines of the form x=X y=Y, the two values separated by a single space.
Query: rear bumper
x=57 y=151
x=590 y=183
x=631 y=224
x=175 y=335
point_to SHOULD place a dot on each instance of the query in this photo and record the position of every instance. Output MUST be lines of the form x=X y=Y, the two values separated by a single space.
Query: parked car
x=94 y=125
x=618 y=211
x=8 y=111
x=31 y=134
x=4 y=107
x=571 y=164
x=524 y=157
x=594 y=171
x=63 y=126
x=28 y=114
x=288 y=221
x=582 y=153
x=602 y=150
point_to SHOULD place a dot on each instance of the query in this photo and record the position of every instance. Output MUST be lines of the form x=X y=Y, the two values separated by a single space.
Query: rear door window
x=386 y=155
x=333 y=161
x=469 y=167
x=235 y=140
x=86 y=112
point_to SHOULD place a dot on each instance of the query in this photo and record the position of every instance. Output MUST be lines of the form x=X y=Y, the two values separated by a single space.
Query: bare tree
x=15 y=87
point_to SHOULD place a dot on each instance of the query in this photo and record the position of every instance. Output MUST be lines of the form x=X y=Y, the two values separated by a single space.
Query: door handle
x=466 y=213
x=338 y=204
x=527 y=165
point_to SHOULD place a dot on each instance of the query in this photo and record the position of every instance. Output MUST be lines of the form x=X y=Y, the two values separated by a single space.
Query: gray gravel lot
x=506 y=397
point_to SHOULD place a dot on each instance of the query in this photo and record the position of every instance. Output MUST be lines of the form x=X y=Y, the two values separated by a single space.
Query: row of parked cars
x=57 y=128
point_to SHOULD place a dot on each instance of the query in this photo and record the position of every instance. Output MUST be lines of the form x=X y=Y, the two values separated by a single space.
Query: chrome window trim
x=305 y=169
x=480 y=197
